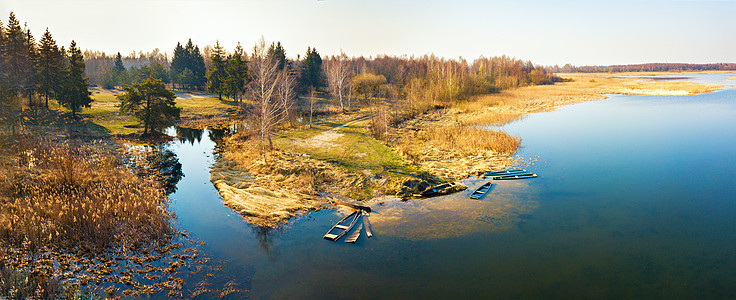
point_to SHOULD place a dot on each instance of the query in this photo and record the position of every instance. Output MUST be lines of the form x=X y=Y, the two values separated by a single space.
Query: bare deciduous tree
x=271 y=90
x=338 y=73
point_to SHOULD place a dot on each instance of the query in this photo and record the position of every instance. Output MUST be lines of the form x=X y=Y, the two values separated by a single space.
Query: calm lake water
x=635 y=198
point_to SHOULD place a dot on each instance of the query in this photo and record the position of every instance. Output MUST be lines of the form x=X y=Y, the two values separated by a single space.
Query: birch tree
x=337 y=72
x=271 y=90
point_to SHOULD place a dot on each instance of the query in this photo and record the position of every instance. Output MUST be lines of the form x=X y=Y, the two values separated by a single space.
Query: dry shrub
x=469 y=139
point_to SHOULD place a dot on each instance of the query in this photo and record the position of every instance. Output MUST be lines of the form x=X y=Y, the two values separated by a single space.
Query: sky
x=544 y=32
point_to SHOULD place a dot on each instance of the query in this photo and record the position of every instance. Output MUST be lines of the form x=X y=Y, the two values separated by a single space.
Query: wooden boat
x=512 y=177
x=342 y=227
x=443 y=189
x=506 y=172
x=367 y=224
x=354 y=237
x=481 y=191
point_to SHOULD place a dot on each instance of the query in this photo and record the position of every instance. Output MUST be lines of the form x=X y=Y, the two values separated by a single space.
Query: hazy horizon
x=575 y=32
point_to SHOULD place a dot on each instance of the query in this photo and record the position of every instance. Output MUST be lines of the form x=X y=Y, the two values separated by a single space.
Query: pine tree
x=312 y=76
x=151 y=102
x=217 y=75
x=76 y=86
x=16 y=54
x=236 y=72
x=118 y=67
x=197 y=66
x=31 y=68
x=276 y=51
x=3 y=68
x=188 y=57
x=49 y=63
x=178 y=64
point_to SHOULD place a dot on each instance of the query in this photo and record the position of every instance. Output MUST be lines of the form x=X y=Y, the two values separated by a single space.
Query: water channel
x=636 y=197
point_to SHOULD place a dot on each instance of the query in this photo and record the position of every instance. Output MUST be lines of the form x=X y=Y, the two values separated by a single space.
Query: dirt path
x=327 y=137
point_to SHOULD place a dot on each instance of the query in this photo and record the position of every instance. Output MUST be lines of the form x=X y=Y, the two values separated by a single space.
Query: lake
x=635 y=199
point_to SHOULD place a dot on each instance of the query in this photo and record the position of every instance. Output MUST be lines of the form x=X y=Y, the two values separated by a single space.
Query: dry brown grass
x=454 y=151
x=469 y=140
x=73 y=211
x=511 y=105
x=269 y=190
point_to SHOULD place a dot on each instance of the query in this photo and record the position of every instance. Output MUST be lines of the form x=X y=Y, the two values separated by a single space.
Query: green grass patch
x=350 y=147
x=205 y=107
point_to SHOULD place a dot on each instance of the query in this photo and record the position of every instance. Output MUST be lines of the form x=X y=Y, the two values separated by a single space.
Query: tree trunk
x=350 y=98
x=339 y=93
x=311 y=106
x=148 y=115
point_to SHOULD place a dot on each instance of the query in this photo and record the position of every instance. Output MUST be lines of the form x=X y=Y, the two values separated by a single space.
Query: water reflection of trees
x=189 y=135
x=161 y=164
x=217 y=134
x=265 y=237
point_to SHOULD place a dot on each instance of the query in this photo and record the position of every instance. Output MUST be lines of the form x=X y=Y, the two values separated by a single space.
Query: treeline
x=651 y=67
x=36 y=72
x=397 y=88
x=394 y=87
x=109 y=71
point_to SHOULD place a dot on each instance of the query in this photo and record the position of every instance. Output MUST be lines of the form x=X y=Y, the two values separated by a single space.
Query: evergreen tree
x=236 y=72
x=217 y=75
x=188 y=57
x=3 y=68
x=276 y=51
x=31 y=68
x=118 y=67
x=17 y=58
x=196 y=63
x=312 y=76
x=76 y=87
x=49 y=63
x=178 y=64
x=151 y=102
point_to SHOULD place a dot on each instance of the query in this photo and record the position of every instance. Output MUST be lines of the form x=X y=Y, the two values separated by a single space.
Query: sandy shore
x=270 y=192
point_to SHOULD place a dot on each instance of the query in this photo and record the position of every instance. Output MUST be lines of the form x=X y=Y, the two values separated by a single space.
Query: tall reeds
x=73 y=211
x=470 y=139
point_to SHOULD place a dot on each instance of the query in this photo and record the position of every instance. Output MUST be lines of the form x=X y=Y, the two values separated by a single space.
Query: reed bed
x=470 y=139
x=73 y=211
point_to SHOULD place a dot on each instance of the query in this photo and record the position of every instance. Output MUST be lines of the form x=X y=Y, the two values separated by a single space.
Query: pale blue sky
x=545 y=32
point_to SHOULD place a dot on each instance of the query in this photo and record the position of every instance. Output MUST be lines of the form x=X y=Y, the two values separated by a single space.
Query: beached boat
x=481 y=191
x=343 y=227
x=443 y=189
x=505 y=172
x=519 y=176
x=354 y=237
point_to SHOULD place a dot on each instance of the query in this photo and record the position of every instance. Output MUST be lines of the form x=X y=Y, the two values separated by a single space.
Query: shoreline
x=271 y=194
